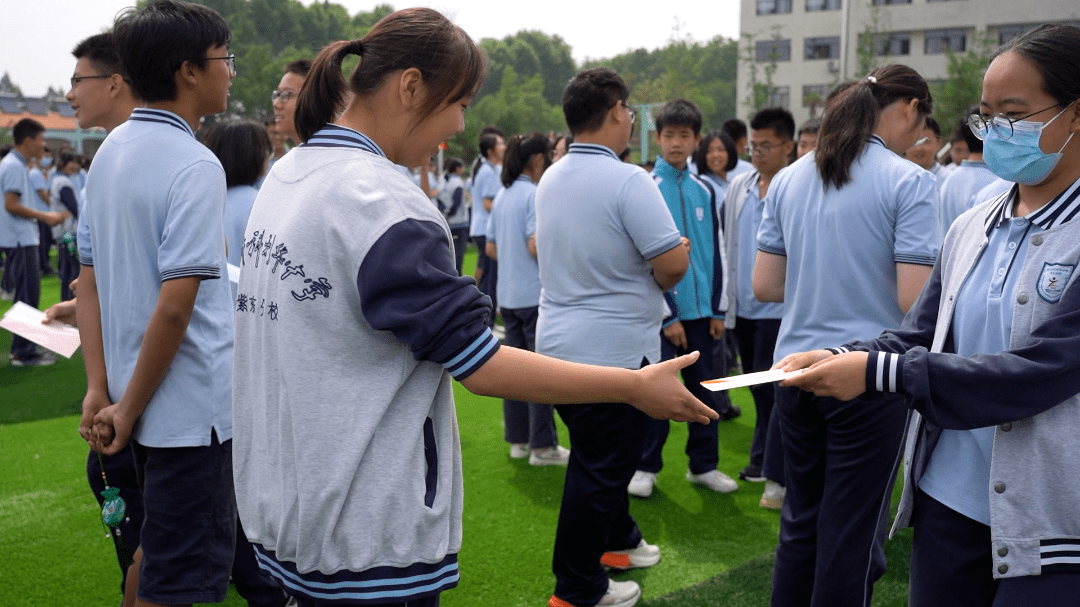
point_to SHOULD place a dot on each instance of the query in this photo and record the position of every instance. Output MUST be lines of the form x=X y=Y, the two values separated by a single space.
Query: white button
x=1001 y=271
x=1012 y=245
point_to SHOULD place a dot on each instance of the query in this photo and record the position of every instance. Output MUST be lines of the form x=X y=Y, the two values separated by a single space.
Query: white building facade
x=815 y=44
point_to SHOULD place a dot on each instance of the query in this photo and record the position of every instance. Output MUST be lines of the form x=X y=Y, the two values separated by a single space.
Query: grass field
x=717 y=549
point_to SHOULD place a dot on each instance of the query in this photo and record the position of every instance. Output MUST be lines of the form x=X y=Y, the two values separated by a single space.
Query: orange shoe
x=644 y=555
x=619 y=594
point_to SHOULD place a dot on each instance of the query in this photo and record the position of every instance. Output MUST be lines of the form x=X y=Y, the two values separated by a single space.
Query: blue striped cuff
x=773 y=250
x=884 y=372
x=375 y=586
x=207 y=272
x=920 y=260
x=840 y=350
x=86 y=260
x=467 y=360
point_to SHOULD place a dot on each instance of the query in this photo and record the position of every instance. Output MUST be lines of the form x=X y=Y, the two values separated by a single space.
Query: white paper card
x=749 y=379
x=25 y=321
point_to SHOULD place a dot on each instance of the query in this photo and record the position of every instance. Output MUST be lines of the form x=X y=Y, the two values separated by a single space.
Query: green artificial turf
x=717 y=549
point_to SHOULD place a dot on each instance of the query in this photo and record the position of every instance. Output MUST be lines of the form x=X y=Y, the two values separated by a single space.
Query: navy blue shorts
x=189 y=530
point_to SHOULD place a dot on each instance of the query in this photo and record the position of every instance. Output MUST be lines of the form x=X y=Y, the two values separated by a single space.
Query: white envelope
x=25 y=321
x=748 y=379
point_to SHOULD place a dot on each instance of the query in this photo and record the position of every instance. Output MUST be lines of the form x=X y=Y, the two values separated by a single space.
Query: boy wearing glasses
x=697 y=302
x=154 y=307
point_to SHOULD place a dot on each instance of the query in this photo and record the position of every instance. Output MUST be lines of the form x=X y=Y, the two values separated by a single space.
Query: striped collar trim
x=878 y=140
x=591 y=148
x=1061 y=210
x=145 y=114
x=524 y=178
x=337 y=136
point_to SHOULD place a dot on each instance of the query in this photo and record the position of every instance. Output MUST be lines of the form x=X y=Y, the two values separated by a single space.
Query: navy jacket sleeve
x=409 y=285
x=459 y=195
x=67 y=197
x=718 y=258
x=961 y=393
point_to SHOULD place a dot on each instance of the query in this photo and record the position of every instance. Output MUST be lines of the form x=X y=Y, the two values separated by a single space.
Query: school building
x=812 y=45
x=56 y=115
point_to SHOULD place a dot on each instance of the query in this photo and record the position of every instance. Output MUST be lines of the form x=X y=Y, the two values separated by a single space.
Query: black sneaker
x=752 y=474
x=730 y=414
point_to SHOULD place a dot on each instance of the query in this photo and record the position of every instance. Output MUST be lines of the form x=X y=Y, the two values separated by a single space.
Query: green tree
x=760 y=87
x=962 y=86
x=530 y=53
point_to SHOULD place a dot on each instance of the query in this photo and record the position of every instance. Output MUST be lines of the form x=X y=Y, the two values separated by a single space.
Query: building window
x=780 y=96
x=940 y=41
x=1008 y=32
x=893 y=44
x=773 y=7
x=773 y=50
x=813 y=95
x=822 y=5
x=881 y=2
x=822 y=48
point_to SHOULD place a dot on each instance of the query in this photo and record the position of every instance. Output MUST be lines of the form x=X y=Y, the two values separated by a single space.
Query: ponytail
x=852 y=111
x=519 y=151
x=323 y=91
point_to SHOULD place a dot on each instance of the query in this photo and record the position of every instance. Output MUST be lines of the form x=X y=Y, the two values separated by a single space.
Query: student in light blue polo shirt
x=847 y=240
x=957 y=190
x=608 y=248
x=485 y=185
x=987 y=356
x=154 y=306
x=756 y=323
x=243 y=148
x=511 y=240
x=19 y=230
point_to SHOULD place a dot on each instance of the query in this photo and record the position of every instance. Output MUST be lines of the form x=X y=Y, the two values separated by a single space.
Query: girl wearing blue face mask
x=988 y=358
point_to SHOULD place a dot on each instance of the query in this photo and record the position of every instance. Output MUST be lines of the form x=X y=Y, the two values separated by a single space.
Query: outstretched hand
x=842 y=376
x=663 y=395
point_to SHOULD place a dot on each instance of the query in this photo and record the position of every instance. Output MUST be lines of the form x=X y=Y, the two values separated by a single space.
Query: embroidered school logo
x=700 y=213
x=1052 y=280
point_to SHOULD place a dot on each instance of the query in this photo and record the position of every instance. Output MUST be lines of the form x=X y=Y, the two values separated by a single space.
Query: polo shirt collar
x=145 y=114
x=878 y=140
x=592 y=148
x=1059 y=211
x=18 y=156
x=337 y=136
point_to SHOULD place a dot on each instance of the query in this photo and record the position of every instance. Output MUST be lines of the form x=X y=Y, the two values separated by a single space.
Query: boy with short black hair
x=697 y=302
x=19 y=234
x=154 y=310
x=754 y=323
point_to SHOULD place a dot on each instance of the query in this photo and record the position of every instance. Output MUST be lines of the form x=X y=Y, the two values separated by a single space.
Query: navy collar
x=337 y=136
x=592 y=148
x=878 y=140
x=145 y=114
x=1059 y=211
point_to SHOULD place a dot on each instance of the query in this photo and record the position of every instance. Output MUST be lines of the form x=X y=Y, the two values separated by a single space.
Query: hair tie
x=871 y=79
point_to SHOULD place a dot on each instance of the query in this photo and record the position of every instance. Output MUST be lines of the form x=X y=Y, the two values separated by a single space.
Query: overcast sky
x=36 y=38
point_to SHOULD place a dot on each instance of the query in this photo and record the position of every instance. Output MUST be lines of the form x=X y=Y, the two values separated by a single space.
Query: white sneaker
x=715 y=480
x=519 y=450
x=642 y=483
x=499 y=331
x=645 y=555
x=555 y=455
x=619 y=594
x=773 y=496
x=7 y=295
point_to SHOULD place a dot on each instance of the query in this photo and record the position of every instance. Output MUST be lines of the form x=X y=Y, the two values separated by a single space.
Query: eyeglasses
x=230 y=60
x=284 y=96
x=633 y=113
x=763 y=149
x=77 y=79
x=1001 y=124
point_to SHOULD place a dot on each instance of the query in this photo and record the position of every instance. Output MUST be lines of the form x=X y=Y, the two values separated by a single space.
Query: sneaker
x=731 y=413
x=752 y=474
x=519 y=450
x=642 y=483
x=773 y=496
x=7 y=295
x=41 y=360
x=619 y=594
x=715 y=480
x=499 y=331
x=550 y=456
x=645 y=555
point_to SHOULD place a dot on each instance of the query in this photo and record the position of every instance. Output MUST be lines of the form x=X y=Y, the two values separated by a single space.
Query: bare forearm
x=88 y=315
x=549 y=380
x=13 y=205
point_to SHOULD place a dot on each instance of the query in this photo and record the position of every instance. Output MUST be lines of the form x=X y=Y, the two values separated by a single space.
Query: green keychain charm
x=114 y=509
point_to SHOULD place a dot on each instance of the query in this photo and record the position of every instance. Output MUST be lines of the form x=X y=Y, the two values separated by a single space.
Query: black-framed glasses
x=77 y=79
x=763 y=149
x=230 y=60
x=1001 y=124
x=633 y=113
x=284 y=96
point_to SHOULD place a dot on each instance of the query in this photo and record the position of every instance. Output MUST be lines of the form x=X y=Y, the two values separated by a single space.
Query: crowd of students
x=214 y=404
